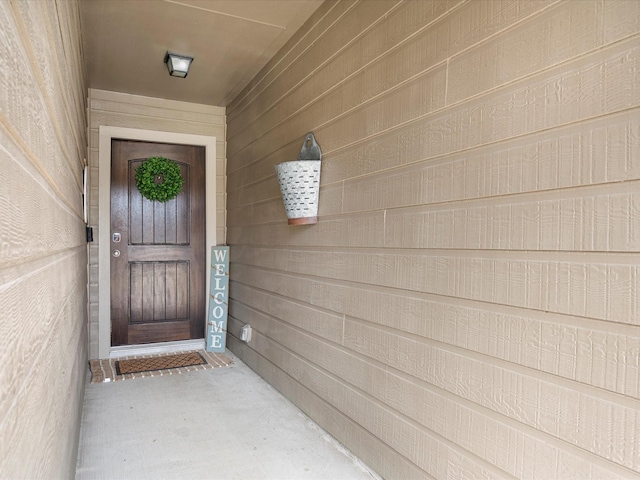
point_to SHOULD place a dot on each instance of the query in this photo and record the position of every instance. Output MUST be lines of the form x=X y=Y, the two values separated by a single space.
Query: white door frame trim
x=107 y=133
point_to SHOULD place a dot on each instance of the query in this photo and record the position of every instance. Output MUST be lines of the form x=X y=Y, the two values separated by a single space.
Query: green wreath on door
x=159 y=179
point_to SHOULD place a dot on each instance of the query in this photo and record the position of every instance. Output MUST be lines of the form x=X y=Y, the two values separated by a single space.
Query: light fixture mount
x=178 y=64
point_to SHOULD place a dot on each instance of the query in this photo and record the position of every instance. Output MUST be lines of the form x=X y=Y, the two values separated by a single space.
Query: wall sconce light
x=178 y=65
x=300 y=183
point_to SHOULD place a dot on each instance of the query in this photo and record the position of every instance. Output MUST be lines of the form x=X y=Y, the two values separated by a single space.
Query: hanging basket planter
x=300 y=184
x=159 y=179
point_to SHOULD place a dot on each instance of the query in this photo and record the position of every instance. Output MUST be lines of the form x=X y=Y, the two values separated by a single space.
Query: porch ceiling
x=125 y=42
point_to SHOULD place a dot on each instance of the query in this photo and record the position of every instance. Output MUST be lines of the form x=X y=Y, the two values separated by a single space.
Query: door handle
x=116 y=253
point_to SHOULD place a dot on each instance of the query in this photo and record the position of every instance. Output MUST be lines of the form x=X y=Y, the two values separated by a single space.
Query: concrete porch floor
x=225 y=423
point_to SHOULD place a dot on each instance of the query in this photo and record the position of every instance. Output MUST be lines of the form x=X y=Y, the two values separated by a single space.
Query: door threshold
x=156 y=348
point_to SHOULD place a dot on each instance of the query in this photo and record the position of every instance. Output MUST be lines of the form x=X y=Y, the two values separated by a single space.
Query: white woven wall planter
x=300 y=184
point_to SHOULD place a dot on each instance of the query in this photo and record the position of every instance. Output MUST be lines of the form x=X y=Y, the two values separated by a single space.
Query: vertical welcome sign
x=218 y=300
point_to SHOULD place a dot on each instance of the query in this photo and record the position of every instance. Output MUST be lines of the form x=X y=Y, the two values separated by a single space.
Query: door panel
x=158 y=280
x=159 y=291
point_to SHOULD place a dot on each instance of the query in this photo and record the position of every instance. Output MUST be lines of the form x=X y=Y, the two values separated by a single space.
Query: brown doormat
x=127 y=368
x=139 y=365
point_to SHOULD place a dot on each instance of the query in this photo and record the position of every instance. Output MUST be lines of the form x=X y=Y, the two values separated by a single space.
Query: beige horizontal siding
x=43 y=279
x=146 y=113
x=545 y=340
x=467 y=305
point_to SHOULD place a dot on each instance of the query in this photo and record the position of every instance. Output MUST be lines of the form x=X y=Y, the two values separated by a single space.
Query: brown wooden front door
x=158 y=258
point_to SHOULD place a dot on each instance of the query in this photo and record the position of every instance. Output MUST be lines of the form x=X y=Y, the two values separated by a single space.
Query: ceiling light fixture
x=177 y=64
